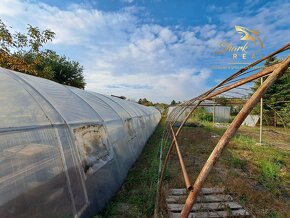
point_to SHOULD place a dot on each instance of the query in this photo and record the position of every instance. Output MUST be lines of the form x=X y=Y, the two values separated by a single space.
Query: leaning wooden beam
x=260 y=74
x=284 y=48
x=230 y=132
x=209 y=95
x=169 y=152
x=265 y=72
x=183 y=168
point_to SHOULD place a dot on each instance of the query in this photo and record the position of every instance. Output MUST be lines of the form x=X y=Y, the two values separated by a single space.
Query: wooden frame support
x=230 y=132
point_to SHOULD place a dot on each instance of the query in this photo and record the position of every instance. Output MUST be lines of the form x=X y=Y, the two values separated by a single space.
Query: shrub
x=200 y=114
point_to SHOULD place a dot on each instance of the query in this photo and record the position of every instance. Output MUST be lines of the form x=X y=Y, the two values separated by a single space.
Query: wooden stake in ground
x=261 y=116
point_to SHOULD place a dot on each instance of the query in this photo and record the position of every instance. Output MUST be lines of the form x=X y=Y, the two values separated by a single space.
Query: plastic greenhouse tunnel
x=65 y=151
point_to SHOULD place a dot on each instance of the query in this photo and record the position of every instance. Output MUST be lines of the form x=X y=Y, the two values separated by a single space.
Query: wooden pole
x=213 y=113
x=169 y=152
x=261 y=116
x=183 y=168
x=230 y=132
x=255 y=76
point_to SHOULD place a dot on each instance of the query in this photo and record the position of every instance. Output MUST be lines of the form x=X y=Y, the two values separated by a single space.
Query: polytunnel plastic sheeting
x=135 y=107
x=18 y=108
x=144 y=109
x=124 y=104
x=117 y=107
x=73 y=109
x=71 y=154
x=222 y=113
x=140 y=109
x=32 y=180
x=45 y=106
x=150 y=108
x=105 y=111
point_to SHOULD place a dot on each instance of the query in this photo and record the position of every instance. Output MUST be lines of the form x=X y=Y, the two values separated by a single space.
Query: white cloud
x=126 y=57
x=272 y=21
x=154 y=87
x=128 y=1
x=214 y=9
x=73 y=26
x=153 y=61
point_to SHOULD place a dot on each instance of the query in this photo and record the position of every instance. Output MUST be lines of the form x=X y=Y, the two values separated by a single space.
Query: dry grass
x=257 y=176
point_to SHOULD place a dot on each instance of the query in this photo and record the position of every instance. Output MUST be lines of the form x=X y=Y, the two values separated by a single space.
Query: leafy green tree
x=65 y=71
x=173 y=102
x=22 y=52
x=277 y=98
x=16 y=49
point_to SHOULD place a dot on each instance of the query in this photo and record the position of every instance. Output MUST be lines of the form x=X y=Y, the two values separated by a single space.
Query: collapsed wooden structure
x=243 y=76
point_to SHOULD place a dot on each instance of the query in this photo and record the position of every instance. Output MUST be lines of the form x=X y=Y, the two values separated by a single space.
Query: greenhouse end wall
x=65 y=151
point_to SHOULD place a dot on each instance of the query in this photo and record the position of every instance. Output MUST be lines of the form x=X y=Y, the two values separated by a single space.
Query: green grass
x=267 y=165
x=267 y=162
x=237 y=162
x=137 y=195
x=272 y=214
x=256 y=175
x=270 y=175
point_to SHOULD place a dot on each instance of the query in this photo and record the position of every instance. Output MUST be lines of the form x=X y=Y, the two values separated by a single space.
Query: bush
x=200 y=114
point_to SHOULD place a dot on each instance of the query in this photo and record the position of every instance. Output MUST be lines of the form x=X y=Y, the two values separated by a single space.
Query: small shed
x=220 y=113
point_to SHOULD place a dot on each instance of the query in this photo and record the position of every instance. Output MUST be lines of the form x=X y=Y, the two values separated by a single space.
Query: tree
x=145 y=102
x=17 y=49
x=65 y=71
x=222 y=101
x=22 y=52
x=173 y=102
x=277 y=97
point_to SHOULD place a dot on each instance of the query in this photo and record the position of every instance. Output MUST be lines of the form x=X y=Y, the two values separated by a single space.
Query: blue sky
x=158 y=49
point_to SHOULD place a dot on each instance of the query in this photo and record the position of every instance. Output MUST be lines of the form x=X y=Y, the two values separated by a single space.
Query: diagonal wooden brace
x=183 y=168
x=230 y=132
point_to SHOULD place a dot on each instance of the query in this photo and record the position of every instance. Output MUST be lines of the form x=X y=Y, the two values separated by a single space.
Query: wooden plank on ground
x=204 y=198
x=210 y=203
x=204 y=191
x=206 y=206
x=234 y=213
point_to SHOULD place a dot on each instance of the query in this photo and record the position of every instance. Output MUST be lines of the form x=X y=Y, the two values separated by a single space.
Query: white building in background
x=221 y=113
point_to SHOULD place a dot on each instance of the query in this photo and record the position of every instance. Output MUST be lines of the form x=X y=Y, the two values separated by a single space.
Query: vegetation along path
x=136 y=197
x=256 y=176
